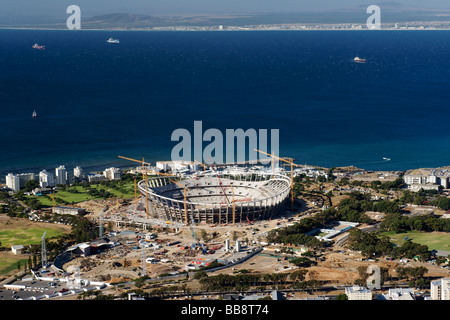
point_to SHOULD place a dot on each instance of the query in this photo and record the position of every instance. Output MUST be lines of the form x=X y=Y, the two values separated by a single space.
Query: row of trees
x=354 y=207
x=377 y=185
x=243 y=282
x=400 y=223
x=372 y=245
x=296 y=234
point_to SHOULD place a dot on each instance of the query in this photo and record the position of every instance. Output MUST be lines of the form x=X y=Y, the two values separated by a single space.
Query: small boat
x=359 y=60
x=34 y=115
x=111 y=40
x=387 y=159
x=38 y=47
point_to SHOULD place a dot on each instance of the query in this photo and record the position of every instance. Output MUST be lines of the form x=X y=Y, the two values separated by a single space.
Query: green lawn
x=126 y=191
x=8 y=264
x=434 y=240
x=26 y=236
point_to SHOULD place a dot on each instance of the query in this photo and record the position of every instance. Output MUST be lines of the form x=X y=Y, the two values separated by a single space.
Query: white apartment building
x=17 y=181
x=70 y=178
x=13 y=182
x=78 y=172
x=427 y=179
x=94 y=177
x=112 y=173
x=440 y=289
x=401 y=294
x=25 y=177
x=177 y=165
x=60 y=174
x=46 y=179
x=358 y=293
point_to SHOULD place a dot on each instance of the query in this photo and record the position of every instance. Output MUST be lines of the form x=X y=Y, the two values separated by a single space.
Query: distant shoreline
x=193 y=29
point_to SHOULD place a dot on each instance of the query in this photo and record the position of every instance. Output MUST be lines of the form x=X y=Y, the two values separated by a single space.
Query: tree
x=140 y=282
x=31 y=185
x=200 y=274
x=443 y=203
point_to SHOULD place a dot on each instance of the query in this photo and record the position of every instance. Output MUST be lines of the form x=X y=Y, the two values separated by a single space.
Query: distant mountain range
x=391 y=12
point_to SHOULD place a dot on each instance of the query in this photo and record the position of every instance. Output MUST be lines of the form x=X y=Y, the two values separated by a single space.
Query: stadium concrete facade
x=210 y=198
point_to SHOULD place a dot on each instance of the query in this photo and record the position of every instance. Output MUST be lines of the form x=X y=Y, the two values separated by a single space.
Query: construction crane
x=202 y=164
x=135 y=195
x=220 y=182
x=292 y=173
x=144 y=176
x=194 y=237
x=54 y=203
x=185 y=200
x=233 y=204
x=143 y=162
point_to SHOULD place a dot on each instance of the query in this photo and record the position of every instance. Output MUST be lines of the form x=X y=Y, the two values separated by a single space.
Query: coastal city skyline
x=50 y=8
x=46 y=13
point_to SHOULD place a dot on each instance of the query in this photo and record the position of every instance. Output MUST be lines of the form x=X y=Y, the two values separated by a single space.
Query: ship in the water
x=39 y=47
x=111 y=40
x=359 y=60
x=34 y=115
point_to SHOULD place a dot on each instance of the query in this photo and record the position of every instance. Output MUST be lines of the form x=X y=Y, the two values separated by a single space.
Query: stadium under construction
x=210 y=198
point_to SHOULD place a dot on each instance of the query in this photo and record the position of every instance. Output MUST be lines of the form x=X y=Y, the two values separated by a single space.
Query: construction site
x=177 y=224
x=206 y=219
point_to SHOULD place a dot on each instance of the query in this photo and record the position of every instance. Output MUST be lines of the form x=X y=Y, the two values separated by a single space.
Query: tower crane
x=220 y=182
x=54 y=203
x=194 y=237
x=185 y=200
x=144 y=175
x=292 y=173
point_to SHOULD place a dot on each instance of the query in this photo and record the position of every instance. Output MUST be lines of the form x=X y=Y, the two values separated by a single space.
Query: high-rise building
x=46 y=179
x=25 y=177
x=17 y=181
x=78 y=172
x=60 y=174
x=70 y=178
x=13 y=182
x=112 y=173
x=358 y=293
x=440 y=289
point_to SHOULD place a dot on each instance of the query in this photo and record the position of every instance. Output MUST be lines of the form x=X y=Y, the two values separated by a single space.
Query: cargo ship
x=36 y=46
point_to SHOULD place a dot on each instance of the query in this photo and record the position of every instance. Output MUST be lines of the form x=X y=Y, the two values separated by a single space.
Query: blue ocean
x=96 y=100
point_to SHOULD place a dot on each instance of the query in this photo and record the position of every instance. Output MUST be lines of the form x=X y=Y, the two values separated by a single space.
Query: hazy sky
x=161 y=7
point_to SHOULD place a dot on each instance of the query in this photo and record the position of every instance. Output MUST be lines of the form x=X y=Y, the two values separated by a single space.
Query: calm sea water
x=96 y=101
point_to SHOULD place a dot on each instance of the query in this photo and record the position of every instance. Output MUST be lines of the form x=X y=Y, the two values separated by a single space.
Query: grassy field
x=126 y=191
x=8 y=264
x=434 y=240
x=26 y=236
x=24 y=232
